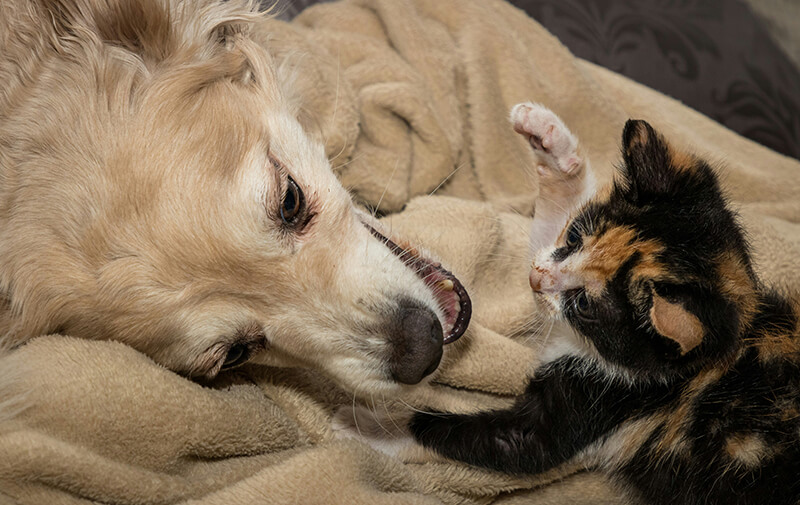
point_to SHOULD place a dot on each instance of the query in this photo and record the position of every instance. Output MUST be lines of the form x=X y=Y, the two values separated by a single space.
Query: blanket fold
x=410 y=98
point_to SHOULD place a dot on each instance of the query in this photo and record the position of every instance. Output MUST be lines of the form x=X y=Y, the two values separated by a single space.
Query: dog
x=157 y=189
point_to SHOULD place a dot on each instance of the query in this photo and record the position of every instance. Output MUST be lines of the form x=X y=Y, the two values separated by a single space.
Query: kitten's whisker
x=389 y=415
x=446 y=179
x=416 y=409
x=351 y=160
x=388 y=183
x=375 y=415
x=355 y=415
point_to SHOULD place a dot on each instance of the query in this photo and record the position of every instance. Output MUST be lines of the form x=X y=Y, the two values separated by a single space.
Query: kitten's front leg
x=547 y=426
x=565 y=176
x=487 y=439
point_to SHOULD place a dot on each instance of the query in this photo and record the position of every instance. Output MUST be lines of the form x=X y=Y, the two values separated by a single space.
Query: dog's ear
x=155 y=32
x=6 y=323
x=140 y=27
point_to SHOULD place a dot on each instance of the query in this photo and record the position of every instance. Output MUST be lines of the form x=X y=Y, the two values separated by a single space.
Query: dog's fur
x=145 y=147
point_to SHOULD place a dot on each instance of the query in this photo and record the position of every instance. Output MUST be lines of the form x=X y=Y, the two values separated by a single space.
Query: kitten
x=682 y=380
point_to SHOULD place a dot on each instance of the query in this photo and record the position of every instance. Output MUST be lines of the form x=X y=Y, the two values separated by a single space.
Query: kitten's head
x=655 y=273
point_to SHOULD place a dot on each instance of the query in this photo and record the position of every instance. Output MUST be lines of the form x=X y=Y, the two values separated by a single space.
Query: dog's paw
x=556 y=147
x=382 y=432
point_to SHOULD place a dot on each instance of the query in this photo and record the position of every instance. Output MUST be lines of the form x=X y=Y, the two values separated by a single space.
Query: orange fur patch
x=681 y=161
x=679 y=421
x=641 y=137
x=737 y=285
x=649 y=267
x=676 y=323
x=778 y=345
x=638 y=433
x=772 y=344
x=608 y=252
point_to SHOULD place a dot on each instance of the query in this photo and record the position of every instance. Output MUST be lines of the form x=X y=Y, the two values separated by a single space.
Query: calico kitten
x=683 y=377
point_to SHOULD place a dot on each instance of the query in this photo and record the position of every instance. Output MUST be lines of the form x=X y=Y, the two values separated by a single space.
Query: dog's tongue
x=450 y=293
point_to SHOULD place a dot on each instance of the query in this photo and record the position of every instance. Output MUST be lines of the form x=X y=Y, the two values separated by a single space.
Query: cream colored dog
x=156 y=189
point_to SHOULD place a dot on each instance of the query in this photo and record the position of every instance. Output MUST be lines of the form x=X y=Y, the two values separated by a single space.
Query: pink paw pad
x=549 y=138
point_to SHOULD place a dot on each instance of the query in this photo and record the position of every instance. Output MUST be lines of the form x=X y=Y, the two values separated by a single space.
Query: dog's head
x=156 y=188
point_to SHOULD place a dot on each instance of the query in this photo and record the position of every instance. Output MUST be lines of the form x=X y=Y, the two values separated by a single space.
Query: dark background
x=716 y=56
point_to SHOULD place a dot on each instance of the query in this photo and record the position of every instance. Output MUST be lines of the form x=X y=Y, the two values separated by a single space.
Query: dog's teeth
x=446 y=285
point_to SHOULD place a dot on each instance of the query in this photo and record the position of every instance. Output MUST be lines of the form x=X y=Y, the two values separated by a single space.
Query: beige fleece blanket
x=410 y=97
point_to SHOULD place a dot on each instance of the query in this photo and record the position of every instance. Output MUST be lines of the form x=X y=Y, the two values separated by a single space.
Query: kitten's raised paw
x=565 y=177
x=555 y=145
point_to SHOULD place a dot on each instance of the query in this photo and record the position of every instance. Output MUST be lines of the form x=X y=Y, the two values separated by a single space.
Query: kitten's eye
x=573 y=238
x=237 y=354
x=292 y=203
x=583 y=306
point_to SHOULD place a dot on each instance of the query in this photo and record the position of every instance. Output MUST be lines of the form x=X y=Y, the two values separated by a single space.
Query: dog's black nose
x=417 y=343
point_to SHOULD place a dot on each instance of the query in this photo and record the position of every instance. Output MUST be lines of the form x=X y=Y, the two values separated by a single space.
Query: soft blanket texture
x=407 y=95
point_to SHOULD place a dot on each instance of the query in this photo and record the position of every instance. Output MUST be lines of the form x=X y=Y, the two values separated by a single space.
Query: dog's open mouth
x=449 y=292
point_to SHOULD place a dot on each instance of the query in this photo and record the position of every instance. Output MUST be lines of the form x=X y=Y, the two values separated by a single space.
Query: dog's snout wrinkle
x=417 y=346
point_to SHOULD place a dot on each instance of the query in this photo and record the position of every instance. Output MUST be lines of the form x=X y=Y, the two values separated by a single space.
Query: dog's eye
x=237 y=354
x=292 y=203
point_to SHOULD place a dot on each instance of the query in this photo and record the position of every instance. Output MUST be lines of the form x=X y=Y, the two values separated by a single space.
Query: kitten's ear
x=675 y=322
x=647 y=170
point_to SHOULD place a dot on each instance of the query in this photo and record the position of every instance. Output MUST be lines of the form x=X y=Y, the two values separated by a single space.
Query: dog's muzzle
x=450 y=294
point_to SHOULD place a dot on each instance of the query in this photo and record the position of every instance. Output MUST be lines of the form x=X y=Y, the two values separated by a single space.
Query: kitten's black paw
x=451 y=435
x=472 y=439
x=430 y=428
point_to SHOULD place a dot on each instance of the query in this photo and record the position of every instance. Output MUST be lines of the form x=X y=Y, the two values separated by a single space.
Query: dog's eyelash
x=302 y=220
x=292 y=203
